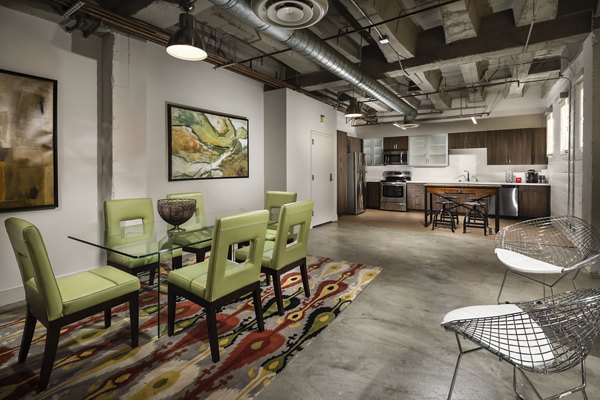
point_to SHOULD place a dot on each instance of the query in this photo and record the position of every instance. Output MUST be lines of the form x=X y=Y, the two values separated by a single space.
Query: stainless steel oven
x=393 y=190
x=393 y=196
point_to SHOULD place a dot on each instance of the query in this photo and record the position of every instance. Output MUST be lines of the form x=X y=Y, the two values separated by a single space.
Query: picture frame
x=28 y=142
x=206 y=144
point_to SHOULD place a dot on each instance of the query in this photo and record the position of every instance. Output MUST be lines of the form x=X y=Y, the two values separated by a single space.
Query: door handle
x=330 y=177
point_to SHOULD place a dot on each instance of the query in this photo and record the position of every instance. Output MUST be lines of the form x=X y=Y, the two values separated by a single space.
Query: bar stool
x=447 y=213
x=476 y=217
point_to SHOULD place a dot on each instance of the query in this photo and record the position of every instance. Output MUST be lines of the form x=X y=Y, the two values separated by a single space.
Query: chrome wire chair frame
x=550 y=246
x=548 y=335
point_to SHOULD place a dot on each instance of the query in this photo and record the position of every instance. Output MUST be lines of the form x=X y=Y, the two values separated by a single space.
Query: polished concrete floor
x=388 y=344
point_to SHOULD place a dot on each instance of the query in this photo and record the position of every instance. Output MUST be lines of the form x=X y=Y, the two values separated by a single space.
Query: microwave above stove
x=395 y=157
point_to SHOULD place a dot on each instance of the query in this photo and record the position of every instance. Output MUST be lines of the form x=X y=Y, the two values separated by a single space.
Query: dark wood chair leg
x=268 y=279
x=304 y=273
x=278 y=293
x=107 y=318
x=213 y=336
x=171 y=303
x=52 y=335
x=134 y=318
x=151 y=279
x=28 y=330
x=258 y=309
x=200 y=255
x=177 y=262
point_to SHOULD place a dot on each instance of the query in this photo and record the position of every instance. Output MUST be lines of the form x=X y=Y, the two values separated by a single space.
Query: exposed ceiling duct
x=312 y=47
x=290 y=14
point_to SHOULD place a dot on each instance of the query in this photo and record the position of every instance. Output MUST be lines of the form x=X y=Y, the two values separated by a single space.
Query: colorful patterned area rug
x=97 y=363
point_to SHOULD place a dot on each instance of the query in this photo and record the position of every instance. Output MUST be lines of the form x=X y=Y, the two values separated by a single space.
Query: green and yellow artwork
x=204 y=145
x=28 y=161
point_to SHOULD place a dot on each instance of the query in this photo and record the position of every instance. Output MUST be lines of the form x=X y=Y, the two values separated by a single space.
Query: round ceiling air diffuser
x=290 y=14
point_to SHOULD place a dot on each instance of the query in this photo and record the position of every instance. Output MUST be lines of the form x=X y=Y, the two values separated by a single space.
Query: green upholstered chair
x=218 y=281
x=196 y=222
x=57 y=302
x=281 y=256
x=274 y=200
x=123 y=210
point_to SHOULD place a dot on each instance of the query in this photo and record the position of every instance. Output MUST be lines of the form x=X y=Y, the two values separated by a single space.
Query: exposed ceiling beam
x=525 y=11
x=488 y=45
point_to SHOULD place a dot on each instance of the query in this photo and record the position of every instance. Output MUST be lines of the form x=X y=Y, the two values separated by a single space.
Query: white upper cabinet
x=373 y=149
x=428 y=151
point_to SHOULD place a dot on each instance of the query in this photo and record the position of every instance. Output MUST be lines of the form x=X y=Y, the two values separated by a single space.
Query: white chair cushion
x=520 y=339
x=522 y=263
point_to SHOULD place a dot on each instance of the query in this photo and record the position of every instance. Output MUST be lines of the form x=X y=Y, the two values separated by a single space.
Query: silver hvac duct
x=312 y=47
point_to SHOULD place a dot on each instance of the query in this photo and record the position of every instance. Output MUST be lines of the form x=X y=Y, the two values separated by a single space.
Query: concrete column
x=122 y=141
x=591 y=165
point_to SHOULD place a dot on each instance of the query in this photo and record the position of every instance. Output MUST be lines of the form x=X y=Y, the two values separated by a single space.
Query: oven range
x=393 y=190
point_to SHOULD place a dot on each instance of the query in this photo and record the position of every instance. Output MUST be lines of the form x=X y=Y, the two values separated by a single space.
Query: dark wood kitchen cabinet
x=395 y=143
x=415 y=196
x=467 y=140
x=509 y=147
x=373 y=198
x=354 y=145
x=534 y=201
x=538 y=146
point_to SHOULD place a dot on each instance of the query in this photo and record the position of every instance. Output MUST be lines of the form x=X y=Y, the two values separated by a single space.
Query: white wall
x=143 y=79
x=303 y=117
x=558 y=163
x=197 y=85
x=37 y=47
x=275 y=140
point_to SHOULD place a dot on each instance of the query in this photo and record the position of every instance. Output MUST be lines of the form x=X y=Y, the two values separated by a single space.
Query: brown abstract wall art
x=28 y=159
x=204 y=144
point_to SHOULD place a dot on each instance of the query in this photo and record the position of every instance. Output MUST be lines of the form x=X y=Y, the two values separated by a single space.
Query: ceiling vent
x=290 y=14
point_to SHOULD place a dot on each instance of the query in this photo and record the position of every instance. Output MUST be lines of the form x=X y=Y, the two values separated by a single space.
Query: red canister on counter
x=518 y=179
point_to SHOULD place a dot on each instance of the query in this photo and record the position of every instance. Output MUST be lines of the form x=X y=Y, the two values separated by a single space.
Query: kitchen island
x=477 y=190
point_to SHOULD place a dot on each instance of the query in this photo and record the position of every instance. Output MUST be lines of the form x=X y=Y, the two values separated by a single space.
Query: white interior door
x=322 y=170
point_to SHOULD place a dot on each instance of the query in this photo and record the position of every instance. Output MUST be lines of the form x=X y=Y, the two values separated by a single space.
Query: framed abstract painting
x=205 y=144
x=28 y=151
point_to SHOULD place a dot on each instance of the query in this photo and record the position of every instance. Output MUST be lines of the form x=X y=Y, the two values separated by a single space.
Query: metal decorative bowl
x=176 y=211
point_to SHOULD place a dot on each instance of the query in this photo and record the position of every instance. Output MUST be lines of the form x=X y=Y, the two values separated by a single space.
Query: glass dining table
x=149 y=241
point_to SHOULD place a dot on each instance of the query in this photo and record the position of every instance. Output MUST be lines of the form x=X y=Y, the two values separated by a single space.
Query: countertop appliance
x=356 y=183
x=395 y=157
x=531 y=176
x=393 y=190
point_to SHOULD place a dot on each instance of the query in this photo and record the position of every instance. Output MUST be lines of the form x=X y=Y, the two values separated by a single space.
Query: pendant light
x=185 y=43
x=354 y=110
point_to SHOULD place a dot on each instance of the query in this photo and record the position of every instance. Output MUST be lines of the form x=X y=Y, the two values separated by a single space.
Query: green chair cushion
x=242 y=254
x=271 y=234
x=88 y=288
x=193 y=277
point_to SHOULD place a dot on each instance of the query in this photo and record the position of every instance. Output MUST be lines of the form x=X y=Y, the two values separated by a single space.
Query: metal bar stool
x=476 y=216
x=447 y=213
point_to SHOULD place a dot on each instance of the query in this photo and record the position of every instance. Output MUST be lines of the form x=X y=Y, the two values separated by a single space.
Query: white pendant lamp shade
x=354 y=110
x=185 y=43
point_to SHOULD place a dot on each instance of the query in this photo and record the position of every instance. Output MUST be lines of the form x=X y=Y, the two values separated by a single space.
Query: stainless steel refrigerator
x=356 y=183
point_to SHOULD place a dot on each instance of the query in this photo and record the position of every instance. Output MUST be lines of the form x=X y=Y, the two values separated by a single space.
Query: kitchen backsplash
x=472 y=160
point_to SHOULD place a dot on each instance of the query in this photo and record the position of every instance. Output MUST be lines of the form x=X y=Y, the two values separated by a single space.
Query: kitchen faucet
x=468 y=176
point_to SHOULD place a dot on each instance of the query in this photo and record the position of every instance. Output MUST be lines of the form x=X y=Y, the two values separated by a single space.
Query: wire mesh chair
x=549 y=335
x=558 y=246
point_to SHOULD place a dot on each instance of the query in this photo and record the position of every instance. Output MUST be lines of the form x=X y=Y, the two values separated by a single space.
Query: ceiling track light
x=186 y=43
x=384 y=39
